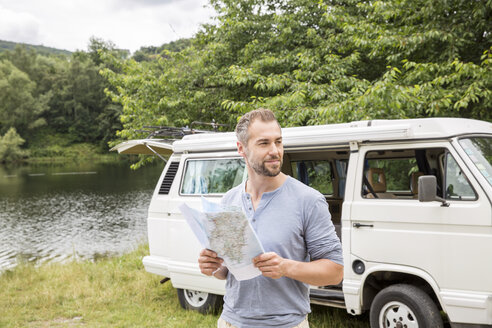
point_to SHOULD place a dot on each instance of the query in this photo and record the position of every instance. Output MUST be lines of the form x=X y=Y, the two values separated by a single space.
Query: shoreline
x=79 y=153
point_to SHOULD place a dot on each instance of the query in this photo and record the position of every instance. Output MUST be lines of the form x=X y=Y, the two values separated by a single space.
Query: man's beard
x=261 y=169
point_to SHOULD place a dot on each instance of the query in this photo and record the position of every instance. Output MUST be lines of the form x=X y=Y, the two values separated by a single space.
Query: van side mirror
x=428 y=190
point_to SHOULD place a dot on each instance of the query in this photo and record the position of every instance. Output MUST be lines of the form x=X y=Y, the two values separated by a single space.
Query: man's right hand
x=209 y=263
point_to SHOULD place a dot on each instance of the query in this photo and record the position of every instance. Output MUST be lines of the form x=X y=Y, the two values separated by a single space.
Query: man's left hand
x=271 y=265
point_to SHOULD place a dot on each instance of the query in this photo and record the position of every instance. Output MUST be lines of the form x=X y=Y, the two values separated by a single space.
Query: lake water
x=60 y=213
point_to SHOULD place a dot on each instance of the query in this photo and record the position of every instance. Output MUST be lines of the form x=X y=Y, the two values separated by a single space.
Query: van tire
x=406 y=304
x=199 y=301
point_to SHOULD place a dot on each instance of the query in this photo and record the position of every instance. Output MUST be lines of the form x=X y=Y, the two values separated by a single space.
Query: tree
x=10 y=150
x=317 y=62
x=62 y=95
x=150 y=53
x=19 y=106
x=167 y=91
x=346 y=60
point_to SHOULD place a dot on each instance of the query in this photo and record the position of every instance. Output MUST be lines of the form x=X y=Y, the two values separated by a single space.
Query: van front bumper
x=183 y=275
x=465 y=308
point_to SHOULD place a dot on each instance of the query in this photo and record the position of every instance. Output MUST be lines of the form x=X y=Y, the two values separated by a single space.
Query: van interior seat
x=377 y=180
x=335 y=208
x=414 y=183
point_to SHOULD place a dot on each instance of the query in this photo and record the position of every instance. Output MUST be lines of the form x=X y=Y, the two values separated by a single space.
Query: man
x=294 y=225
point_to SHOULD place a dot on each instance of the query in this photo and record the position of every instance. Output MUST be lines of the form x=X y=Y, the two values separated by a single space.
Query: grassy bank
x=82 y=152
x=114 y=292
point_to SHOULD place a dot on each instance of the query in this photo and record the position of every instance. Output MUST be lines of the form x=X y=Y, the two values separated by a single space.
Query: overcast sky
x=130 y=24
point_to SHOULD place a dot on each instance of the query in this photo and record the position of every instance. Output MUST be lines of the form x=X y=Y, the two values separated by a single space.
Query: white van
x=410 y=199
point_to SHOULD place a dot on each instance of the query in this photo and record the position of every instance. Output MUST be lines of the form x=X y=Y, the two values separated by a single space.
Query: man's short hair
x=245 y=121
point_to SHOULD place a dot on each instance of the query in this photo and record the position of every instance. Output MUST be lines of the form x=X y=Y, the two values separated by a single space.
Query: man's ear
x=240 y=149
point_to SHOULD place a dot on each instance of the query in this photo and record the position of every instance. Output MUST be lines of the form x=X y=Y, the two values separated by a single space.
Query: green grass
x=112 y=292
x=81 y=152
x=50 y=147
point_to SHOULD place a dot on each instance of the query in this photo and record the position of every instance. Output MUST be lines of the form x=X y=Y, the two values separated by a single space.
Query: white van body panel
x=448 y=248
x=463 y=306
x=354 y=287
x=342 y=134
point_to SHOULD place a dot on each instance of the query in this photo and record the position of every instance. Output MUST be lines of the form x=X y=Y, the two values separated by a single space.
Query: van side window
x=394 y=173
x=212 y=176
x=457 y=185
x=314 y=173
x=389 y=177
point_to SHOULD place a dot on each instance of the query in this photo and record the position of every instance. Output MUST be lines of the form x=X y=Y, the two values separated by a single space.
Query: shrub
x=10 y=150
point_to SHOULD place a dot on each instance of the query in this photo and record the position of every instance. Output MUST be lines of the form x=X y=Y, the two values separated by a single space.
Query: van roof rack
x=213 y=124
x=178 y=133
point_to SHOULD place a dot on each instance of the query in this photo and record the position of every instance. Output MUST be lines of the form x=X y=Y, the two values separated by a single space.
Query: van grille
x=169 y=178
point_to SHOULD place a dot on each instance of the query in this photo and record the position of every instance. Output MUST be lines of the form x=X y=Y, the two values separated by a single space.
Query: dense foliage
x=10 y=150
x=50 y=95
x=312 y=62
x=318 y=62
x=149 y=53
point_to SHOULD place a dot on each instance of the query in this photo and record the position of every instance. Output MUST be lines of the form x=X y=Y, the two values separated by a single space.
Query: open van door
x=159 y=147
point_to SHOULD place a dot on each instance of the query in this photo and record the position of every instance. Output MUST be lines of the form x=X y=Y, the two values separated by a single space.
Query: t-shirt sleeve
x=321 y=239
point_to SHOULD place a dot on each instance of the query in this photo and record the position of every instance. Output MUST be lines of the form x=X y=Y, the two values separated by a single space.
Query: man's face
x=264 y=151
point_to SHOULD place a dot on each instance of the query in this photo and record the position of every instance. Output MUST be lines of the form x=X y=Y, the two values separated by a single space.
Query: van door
x=388 y=224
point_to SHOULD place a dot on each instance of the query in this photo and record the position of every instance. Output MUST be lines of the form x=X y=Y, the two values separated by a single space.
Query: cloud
x=131 y=4
x=156 y=24
x=130 y=24
x=19 y=26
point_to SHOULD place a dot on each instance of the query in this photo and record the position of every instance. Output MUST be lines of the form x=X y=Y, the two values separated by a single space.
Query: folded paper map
x=228 y=232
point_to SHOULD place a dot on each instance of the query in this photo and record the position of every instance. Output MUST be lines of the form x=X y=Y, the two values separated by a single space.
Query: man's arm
x=211 y=265
x=317 y=273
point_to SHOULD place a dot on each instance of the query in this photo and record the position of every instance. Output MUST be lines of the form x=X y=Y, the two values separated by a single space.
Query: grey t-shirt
x=294 y=222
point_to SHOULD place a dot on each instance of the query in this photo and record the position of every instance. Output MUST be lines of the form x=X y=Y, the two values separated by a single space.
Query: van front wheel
x=199 y=301
x=404 y=306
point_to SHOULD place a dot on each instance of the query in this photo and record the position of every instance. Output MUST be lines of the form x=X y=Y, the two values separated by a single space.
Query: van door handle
x=359 y=225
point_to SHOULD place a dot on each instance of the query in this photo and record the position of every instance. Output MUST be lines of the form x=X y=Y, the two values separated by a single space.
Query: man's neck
x=259 y=184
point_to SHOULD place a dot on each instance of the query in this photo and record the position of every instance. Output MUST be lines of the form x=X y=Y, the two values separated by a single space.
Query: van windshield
x=479 y=149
